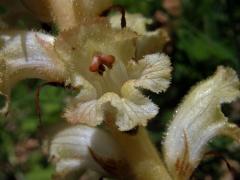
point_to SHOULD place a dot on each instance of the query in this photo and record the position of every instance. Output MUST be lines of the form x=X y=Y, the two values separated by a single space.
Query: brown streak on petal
x=182 y=165
x=186 y=147
x=177 y=165
x=117 y=168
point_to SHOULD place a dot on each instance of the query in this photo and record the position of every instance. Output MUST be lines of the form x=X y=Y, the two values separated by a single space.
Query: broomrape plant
x=109 y=63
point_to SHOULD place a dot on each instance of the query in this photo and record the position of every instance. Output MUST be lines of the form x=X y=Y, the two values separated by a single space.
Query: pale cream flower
x=95 y=59
x=199 y=119
x=114 y=87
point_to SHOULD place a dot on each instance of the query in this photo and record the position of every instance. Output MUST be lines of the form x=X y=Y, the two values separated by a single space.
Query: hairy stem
x=141 y=155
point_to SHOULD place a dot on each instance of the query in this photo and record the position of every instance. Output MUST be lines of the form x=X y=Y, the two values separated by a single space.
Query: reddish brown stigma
x=100 y=62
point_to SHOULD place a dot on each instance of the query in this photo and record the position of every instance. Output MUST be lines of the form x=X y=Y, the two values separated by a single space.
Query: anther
x=100 y=61
x=107 y=60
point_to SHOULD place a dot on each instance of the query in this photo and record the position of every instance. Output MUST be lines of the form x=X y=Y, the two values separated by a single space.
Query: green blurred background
x=204 y=34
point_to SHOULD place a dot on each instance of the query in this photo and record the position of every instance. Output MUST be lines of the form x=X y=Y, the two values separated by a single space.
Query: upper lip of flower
x=148 y=41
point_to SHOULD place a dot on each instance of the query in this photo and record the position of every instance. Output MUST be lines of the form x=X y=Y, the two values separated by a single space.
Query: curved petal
x=148 y=42
x=139 y=109
x=76 y=148
x=68 y=169
x=132 y=110
x=82 y=108
x=26 y=55
x=151 y=42
x=153 y=72
x=86 y=90
x=199 y=119
x=89 y=112
x=83 y=112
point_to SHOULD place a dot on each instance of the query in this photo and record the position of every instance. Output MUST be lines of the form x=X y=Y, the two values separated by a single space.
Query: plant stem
x=141 y=155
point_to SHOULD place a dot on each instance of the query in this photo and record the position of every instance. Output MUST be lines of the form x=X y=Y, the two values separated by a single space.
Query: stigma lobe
x=100 y=61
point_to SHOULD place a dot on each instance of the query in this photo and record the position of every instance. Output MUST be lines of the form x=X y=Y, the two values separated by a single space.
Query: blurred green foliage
x=203 y=37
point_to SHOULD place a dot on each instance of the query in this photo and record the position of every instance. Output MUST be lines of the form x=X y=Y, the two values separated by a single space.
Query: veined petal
x=83 y=112
x=132 y=109
x=25 y=55
x=68 y=169
x=153 y=72
x=82 y=108
x=139 y=109
x=148 y=42
x=86 y=90
x=77 y=148
x=199 y=119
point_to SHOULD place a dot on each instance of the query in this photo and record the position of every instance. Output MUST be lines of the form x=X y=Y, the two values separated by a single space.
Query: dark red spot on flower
x=100 y=62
